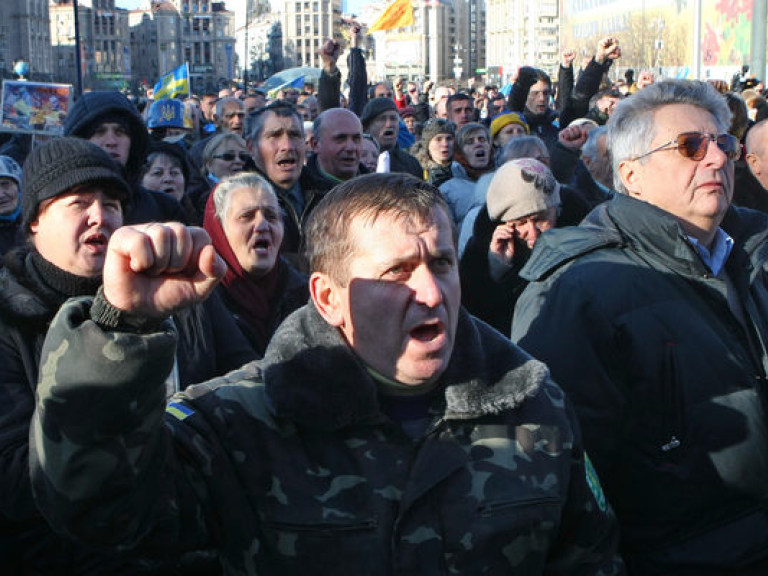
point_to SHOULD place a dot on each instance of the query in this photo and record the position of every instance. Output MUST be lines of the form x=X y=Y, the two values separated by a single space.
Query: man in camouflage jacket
x=308 y=463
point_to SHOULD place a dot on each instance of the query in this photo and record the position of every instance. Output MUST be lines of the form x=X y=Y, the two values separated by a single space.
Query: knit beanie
x=437 y=126
x=375 y=107
x=520 y=188
x=54 y=168
x=506 y=118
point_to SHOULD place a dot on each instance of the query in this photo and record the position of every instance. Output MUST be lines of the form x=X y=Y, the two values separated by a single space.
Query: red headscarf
x=252 y=296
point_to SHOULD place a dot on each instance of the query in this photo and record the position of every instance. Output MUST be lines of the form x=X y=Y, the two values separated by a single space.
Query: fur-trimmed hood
x=312 y=376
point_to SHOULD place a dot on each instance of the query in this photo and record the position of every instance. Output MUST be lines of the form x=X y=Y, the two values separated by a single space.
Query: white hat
x=521 y=187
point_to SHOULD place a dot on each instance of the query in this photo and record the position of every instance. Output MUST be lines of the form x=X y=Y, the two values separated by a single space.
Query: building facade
x=25 y=35
x=170 y=33
x=105 y=55
x=446 y=41
x=306 y=25
x=259 y=39
x=522 y=33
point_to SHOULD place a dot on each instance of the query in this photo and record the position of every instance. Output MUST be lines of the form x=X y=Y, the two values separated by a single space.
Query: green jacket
x=668 y=382
x=289 y=467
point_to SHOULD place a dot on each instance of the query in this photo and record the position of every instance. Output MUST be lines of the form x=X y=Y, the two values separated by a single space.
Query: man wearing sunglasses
x=653 y=316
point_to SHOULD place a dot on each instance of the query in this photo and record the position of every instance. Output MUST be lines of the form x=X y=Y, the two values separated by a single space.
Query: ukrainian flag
x=174 y=83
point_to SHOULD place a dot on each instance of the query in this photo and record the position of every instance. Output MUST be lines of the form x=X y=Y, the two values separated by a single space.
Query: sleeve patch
x=179 y=410
x=594 y=483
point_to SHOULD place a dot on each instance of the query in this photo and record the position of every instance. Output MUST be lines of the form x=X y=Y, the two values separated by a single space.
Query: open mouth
x=427 y=332
x=286 y=162
x=262 y=244
x=388 y=133
x=96 y=241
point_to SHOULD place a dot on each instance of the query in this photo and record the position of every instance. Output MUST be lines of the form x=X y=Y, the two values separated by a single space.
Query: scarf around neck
x=252 y=296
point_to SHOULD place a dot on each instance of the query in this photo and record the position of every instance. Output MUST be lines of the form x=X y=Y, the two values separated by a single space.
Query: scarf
x=251 y=296
x=472 y=173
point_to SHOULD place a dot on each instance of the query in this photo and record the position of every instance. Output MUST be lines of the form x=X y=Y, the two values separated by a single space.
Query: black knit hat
x=375 y=107
x=59 y=165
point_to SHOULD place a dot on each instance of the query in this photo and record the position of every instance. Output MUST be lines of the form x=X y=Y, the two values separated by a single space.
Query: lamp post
x=247 y=58
x=78 y=63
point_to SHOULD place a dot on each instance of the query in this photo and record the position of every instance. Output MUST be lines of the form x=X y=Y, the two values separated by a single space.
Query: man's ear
x=753 y=161
x=313 y=144
x=629 y=177
x=325 y=295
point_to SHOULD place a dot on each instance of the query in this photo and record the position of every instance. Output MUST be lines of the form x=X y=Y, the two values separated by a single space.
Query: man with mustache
x=652 y=315
x=386 y=430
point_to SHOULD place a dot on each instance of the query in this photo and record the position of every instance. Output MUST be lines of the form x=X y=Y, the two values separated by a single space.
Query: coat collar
x=313 y=377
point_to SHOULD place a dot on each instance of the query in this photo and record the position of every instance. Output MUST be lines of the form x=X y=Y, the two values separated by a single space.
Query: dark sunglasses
x=694 y=145
x=230 y=156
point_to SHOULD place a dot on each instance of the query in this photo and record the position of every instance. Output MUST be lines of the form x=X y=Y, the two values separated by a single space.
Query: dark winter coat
x=211 y=345
x=290 y=467
x=669 y=383
x=92 y=109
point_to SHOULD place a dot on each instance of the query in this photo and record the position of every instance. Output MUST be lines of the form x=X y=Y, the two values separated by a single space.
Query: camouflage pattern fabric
x=289 y=467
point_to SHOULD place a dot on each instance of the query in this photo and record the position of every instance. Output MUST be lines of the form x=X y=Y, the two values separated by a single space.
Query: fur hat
x=375 y=107
x=59 y=165
x=519 y=188
x=506 y=118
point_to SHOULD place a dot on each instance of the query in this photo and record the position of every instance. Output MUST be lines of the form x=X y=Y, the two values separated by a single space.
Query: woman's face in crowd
x=165 y=175
x=441 y=148
x=369 y=155
x=477 y=149
x=253 y=225
x=228 y=159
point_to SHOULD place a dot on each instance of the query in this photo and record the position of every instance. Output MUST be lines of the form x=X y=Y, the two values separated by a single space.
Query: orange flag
x=397 y=15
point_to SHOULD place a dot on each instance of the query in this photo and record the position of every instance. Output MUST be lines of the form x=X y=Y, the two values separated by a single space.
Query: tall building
x=170 y=33
x=520 y=33
x=24 y=35
x=307 y=24
x=105 y=56
x=259 y=39
x=446 y=41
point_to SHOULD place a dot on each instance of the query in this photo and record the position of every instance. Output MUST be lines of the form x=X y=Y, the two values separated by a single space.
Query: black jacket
x=667 y=374
x=210 y=345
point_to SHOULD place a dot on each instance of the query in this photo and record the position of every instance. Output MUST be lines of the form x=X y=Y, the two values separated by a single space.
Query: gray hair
x=631 y=127
x=254 y=122
x=222 y=193
x=222 y=102
x=590 y=146
x=522 y=147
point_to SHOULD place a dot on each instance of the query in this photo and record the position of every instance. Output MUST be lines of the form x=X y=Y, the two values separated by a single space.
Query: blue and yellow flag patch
x=179 y=410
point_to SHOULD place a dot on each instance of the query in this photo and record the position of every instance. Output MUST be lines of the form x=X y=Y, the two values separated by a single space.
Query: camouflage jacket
x=289 y=466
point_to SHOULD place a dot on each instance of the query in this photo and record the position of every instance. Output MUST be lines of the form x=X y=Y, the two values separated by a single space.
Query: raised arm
x=102 y=463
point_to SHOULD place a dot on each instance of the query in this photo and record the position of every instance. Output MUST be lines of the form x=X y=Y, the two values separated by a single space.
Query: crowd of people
x=391 y=327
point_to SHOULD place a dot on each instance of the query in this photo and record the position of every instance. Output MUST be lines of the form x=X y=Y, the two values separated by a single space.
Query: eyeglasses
x=694 y=145
x=230 y=156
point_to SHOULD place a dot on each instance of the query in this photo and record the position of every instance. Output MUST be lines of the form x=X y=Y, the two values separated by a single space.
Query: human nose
x=715 y=156
x=95 y=213
x=426 y=289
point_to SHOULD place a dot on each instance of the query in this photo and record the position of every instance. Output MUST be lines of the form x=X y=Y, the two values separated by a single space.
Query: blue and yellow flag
x=174 y=83
x=295 y=83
